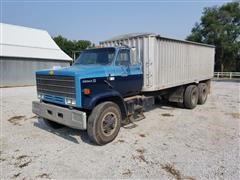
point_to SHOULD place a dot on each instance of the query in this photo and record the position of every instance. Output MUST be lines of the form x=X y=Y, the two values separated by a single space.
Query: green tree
x=220 y=26
x=72 y=47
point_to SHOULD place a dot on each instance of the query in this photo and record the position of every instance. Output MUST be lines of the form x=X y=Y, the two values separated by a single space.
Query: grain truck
x=115 y=83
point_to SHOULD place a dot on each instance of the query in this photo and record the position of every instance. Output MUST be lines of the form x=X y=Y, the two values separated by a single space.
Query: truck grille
x=56 y=85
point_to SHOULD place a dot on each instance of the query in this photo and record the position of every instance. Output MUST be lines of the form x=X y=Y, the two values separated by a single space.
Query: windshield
x=101 y=56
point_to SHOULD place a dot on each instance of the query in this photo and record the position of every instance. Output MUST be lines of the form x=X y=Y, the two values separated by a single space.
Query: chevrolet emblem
x=51 y=72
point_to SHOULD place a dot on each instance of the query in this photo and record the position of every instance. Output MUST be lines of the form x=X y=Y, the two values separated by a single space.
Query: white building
x=24 y=50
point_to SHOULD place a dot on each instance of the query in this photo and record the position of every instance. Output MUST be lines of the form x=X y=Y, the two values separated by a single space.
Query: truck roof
x=147 y=34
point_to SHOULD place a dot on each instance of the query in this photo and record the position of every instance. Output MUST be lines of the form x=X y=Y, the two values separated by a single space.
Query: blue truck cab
x=94 y=94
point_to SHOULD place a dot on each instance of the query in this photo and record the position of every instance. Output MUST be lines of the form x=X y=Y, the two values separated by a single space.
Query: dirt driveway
x=169 y=143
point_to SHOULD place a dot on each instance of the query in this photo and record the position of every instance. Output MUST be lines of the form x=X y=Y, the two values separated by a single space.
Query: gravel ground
x=170 y=143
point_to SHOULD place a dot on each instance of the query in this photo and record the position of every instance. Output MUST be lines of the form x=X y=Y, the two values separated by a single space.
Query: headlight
x=40 y=96
x=70 y=101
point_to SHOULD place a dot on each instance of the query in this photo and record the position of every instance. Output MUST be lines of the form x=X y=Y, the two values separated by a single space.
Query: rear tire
x=104 y=123
x=191 y=97
x=52 y=124
x=203 y=93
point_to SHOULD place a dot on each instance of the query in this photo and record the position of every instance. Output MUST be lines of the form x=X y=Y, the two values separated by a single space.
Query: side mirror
x=133 y=48
x=133 y=55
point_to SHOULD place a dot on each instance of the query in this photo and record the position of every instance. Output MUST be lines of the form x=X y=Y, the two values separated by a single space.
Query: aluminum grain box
x=168 y=62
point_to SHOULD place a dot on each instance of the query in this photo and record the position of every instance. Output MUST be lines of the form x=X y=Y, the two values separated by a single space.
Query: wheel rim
x=109 y=124
x=194 y=97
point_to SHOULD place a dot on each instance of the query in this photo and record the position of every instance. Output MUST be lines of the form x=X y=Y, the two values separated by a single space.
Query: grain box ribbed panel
x=146 y=62
x=168 y=62
x=178 y=62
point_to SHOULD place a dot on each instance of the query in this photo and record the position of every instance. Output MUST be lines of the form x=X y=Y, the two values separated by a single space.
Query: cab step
x=136 y=105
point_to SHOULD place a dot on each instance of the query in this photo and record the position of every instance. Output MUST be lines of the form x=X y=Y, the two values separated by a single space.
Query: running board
x=136 y=105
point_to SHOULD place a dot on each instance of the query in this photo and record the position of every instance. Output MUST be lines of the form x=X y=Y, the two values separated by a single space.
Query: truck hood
x=79 y=71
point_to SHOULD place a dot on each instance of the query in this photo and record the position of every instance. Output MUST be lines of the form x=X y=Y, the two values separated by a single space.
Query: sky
x=98 y=20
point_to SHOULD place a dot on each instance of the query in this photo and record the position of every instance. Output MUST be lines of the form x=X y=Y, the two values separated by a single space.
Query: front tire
x=104 y=123
x=191 y=97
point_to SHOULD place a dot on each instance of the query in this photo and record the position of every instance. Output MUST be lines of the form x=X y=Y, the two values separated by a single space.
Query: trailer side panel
x=168 y=62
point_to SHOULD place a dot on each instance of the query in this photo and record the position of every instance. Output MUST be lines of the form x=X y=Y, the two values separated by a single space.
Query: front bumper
x=68 y=117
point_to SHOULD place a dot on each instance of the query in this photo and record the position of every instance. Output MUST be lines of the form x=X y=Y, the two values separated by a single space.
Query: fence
x=227 y=75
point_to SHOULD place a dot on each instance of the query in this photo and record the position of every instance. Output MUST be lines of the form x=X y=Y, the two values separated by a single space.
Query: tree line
x=72 y=47
x=218 y=26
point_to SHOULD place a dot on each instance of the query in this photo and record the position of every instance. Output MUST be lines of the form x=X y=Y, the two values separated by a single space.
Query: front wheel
x=104 y=123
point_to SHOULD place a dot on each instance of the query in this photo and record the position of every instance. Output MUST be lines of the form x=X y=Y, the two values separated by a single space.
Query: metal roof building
x=24 y=50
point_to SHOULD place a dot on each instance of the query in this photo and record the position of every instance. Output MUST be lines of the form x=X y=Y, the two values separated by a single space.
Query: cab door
x=128 y=75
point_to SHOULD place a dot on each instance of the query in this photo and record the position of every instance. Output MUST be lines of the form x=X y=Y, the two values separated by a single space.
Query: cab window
x=123 y=58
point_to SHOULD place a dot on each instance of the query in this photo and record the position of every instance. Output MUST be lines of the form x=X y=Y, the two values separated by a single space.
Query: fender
x=90 y=101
